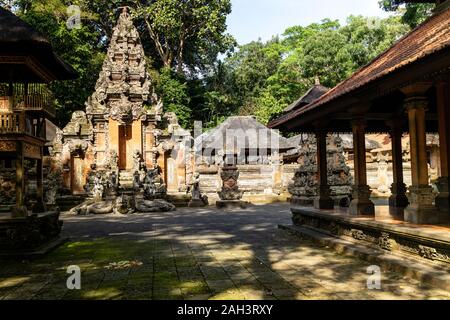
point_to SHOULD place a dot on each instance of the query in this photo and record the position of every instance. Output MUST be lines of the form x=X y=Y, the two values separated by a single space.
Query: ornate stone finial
x=124 y=86
x=317 y=81
x=124 y=9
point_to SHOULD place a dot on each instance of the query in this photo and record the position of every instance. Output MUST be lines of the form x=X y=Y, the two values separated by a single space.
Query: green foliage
x=266 y=77
x=191 y=33
x=412 y=14
x=184 y=38
x=268 y=107
x=77 y=47
x=187 y=34
x=172 y=89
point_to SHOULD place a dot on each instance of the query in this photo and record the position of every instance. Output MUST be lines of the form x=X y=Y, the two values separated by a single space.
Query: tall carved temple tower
x=124 y=129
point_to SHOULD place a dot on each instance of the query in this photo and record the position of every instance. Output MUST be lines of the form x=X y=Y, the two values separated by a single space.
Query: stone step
x=126 y=179
x=427 y=273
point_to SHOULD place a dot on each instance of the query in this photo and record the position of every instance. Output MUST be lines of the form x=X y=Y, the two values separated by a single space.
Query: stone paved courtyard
x=197 y=254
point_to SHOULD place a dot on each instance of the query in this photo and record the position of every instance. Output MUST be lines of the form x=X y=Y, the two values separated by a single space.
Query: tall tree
x=266 y=77
x=187 y=34
x=413 y=14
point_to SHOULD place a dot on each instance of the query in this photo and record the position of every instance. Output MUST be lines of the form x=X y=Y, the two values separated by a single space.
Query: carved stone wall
x=305 y=182
x=384 y=238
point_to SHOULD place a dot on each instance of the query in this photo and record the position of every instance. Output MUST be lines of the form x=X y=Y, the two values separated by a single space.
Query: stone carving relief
x=305 y=181
x=123 y=86
x=376 y=238
x=230 y=189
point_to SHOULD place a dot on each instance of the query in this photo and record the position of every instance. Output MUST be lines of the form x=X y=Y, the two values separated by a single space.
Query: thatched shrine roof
x=26 y=55
x=242 y=132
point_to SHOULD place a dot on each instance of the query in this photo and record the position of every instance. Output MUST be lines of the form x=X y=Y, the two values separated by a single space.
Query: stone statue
x=197 y=200
x=230 y=189
x=112 y=184
x=154 y=186
x=123 y=205
x=382 y=177
x=7 y=188
x=196 y=187
x=98 y=189
x=157 y=205
x=54 y=183
x=137 y=160
x=137 y=181
x=113 y=160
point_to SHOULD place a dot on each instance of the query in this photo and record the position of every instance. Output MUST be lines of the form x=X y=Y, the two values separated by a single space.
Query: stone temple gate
x=123 y=129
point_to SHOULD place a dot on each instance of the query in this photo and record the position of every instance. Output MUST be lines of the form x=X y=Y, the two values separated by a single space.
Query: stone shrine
x=230 y=195
x=123 y=139
x=304 y=188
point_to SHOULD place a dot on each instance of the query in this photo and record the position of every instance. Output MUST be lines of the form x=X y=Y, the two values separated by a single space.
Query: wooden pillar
x=323 y=200
x=361 y=203
x=19 y=211
x=398 y=200
x=420 y=195
x=443 y=107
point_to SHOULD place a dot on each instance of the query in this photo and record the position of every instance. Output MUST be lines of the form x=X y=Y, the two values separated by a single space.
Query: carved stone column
x=19 y=210
x=40 y=205
x=443 y=106
x=361 y=203
x=420 y=195
x=398 y=200
x=323 y=199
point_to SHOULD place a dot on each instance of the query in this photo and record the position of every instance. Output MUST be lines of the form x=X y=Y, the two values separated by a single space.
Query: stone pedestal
x=398 y=200
x=421 y=209
x=324 y=200
x=230 y=196
x=196 y=203
x=361 y=203
x=29 y=235
x=231 y=204
x=442 y=200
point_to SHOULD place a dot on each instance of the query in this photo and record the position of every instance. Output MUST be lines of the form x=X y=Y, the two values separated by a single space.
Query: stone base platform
x=231 y=204
x=196 y=203
x=180 y=199
x=67 y=202
x=421 y=250
x=33 y=235
x=36 y=252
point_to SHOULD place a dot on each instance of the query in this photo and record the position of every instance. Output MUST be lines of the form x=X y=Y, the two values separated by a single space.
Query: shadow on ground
x=197 y=254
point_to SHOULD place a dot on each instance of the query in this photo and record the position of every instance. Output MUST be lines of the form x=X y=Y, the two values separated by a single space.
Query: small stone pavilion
x=256 y=150
x=123 y=129
x=27 y=65
x=405 y=89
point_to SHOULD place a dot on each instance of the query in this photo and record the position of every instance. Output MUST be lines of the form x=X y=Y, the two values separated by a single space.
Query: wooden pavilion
x=405 y=89
x=27 y=65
